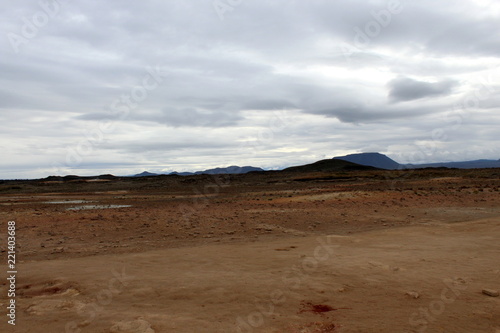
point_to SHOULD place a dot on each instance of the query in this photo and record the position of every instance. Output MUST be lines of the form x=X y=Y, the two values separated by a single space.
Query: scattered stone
x=57 y=250
x=136 y=326
x=413 y=294
x=491 y=292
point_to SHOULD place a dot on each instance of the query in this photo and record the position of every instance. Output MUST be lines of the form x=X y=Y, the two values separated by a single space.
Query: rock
x=491 y=292
x=413 y=294
x=136 y=326
x=57 y=250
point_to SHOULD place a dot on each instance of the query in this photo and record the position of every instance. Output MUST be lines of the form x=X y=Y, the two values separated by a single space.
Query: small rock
x=491 y=292
x=58 y=250
x=137 y=326
x=413 y=294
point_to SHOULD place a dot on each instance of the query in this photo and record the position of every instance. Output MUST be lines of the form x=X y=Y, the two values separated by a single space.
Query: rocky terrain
x=308 y=251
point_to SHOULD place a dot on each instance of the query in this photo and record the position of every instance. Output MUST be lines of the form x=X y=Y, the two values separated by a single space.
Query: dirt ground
x=342 y=252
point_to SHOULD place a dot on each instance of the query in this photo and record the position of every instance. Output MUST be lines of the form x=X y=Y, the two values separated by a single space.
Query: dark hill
x=229 y=170
x=145 y=174
x=329 y=165
x=376 y=160
x=107 y=176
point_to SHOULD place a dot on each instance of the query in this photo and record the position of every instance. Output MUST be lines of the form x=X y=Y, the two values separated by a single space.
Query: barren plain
x=358 y=251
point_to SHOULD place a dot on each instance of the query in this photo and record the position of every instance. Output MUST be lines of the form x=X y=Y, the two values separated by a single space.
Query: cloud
x=404 y=89
x=225 y=80
x=192 y=117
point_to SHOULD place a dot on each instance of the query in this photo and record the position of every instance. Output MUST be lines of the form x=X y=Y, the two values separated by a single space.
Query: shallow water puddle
x=72 y=202
x=87 y=207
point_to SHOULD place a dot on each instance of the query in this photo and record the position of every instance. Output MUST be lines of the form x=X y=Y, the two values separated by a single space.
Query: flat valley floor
x=367 y=251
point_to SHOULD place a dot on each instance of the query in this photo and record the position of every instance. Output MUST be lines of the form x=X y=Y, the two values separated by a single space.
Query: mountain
x=376 y=160
x=329 y=165
x=145 y=174
x=362 y=161
x=476 y=164
x=216 y=171
x=182 y=173
x=69 y=178
x=381 y=161
x=229 y=170
x=107 y=176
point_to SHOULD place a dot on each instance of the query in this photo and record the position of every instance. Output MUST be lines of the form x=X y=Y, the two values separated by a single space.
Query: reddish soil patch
x=315 y=308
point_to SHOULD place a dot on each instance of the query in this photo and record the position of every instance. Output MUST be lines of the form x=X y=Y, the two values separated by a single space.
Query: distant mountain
x=107 y=176
x=71 y=177
x=75 y=178
x=145 y=174
x=376 y=160
x=182 y=173
x=229 y=170
x=476 y=164
x=381 y=161
x=362 y=161
x=216 y=171
x=53 y=178
x=329 y=165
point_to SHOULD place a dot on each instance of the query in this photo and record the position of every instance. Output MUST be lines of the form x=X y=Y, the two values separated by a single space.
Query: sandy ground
x=292 y=257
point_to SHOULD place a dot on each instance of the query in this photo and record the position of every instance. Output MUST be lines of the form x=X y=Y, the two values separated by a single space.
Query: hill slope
x=329 y=165
x=229 y=170
x=376 y=160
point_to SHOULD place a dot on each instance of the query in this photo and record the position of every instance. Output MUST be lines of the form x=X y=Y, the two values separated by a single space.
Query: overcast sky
x=92 y=87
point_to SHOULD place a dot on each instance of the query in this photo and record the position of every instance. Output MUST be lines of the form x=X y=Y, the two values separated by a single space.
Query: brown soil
x=361 y=251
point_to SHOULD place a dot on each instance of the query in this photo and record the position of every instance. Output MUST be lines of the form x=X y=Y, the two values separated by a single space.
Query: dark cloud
x=405 y=89
x=358 y=113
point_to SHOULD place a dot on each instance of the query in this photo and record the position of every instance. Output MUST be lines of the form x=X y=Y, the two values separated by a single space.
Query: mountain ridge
x=233 y=169
x=358 y=161
x=382 y=161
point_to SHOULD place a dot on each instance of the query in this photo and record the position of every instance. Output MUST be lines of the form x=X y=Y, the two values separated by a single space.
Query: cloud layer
x=97 y=87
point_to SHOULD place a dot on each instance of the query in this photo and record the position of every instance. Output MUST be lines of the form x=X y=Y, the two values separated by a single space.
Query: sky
x=93 y=87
